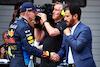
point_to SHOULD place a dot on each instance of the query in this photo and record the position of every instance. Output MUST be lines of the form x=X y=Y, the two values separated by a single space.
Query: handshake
x=54 y=56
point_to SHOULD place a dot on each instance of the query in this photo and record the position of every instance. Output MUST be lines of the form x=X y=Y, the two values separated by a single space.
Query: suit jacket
x=81 y=46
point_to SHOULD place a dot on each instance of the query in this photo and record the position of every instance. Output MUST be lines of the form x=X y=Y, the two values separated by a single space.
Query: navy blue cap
x=27 y=6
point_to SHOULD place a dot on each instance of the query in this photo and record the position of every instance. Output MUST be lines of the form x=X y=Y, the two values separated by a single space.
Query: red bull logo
x=10 y=38
x=10 y=33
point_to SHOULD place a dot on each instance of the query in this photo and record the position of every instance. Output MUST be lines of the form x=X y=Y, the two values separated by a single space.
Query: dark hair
x=74 y=10
x=17 y=5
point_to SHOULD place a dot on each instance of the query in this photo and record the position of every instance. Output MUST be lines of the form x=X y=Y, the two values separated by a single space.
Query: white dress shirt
x=70 y=57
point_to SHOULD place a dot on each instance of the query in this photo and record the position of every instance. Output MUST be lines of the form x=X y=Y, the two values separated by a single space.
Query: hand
x=67 y=30
x=39 y=47
x=36 y=22
x=54 y=57
x=43 y=16
x=3 y=50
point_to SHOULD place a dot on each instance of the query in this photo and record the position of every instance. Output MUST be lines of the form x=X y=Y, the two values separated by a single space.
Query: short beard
x=71 y=22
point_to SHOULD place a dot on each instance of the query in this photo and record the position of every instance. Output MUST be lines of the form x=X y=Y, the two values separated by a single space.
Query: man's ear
x=26 y=12
x=75 y=16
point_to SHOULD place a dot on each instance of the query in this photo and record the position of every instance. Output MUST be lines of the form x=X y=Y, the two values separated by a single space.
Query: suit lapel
x=77 y=30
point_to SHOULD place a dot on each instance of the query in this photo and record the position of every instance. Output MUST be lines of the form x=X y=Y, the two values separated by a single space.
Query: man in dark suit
x=77 y=41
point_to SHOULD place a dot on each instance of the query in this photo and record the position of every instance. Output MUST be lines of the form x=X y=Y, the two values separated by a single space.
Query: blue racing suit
x=26 y=56
x=20 y=34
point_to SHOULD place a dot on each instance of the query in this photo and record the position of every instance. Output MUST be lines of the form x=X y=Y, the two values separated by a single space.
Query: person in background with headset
x=77 y=40
x=52 y=34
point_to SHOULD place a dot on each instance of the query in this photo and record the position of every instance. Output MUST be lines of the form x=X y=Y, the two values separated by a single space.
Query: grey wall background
x=90 y=17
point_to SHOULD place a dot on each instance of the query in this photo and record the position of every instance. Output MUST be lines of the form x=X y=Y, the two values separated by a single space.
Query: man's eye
x=67 y=16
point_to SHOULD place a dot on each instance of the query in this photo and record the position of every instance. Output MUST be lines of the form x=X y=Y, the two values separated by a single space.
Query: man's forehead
x=67 y=12
x=57 y=6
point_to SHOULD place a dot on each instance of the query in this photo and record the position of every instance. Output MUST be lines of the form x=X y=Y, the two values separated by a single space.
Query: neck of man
x=26 y=18
x=75 y=23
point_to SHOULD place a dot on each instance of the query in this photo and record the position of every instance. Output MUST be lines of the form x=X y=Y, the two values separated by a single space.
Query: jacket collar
x=77 y=30
x=21 y=18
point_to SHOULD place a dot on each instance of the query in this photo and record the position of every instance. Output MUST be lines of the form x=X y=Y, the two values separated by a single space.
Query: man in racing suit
x=20 y=34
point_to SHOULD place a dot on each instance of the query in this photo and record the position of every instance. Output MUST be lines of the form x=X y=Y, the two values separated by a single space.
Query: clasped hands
x=54 y=56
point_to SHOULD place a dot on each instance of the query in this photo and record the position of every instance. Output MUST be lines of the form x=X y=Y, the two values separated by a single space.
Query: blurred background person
x=16 y=13
x=4 y=47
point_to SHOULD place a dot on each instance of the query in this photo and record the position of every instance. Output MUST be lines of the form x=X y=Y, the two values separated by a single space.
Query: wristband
x=45 y=21
x=36 y=25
